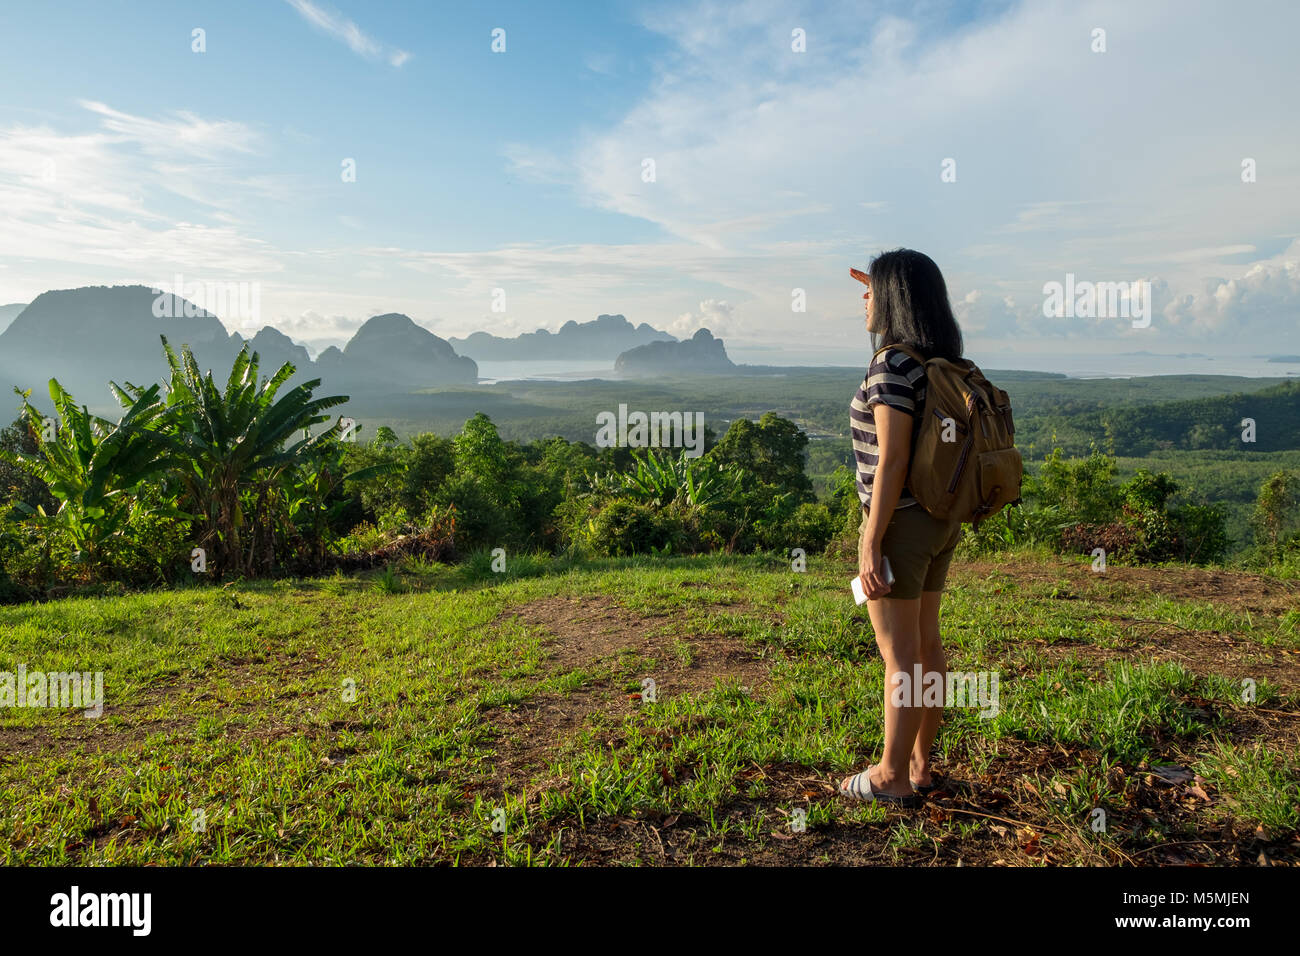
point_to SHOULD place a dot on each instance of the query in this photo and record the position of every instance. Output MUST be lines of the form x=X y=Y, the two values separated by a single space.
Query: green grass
x=360 y=719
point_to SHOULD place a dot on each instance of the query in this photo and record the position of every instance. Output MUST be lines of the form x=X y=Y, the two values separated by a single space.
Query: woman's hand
x=871 y=571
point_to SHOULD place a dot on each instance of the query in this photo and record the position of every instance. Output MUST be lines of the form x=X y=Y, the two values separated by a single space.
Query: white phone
x=861 y=596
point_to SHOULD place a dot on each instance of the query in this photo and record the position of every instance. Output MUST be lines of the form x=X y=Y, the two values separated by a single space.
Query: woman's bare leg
x=898 y=635
x=933 y=661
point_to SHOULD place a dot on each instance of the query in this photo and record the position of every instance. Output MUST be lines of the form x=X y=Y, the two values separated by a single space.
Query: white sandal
x=859 y=787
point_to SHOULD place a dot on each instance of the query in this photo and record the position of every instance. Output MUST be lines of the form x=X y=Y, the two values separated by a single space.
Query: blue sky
x=125 y=156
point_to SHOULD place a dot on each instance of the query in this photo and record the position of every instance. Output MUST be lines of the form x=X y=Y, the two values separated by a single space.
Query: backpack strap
x=902 y=348
x=920 y=412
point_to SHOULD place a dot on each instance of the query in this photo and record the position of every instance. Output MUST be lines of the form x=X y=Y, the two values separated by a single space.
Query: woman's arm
x=894 y=436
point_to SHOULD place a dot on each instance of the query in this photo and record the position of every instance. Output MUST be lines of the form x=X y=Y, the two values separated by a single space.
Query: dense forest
x=195 y=480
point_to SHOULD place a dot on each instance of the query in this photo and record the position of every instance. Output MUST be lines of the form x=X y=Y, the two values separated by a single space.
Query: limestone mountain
x=86 y=337
x=90 y=336
x=700 y=353
x=8 y=313
x=391 y=349
x=603 y=338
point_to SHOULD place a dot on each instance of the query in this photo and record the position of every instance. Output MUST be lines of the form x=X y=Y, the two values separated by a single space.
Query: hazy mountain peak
x=604 y=337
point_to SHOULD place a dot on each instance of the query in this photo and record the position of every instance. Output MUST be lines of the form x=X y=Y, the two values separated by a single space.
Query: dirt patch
x=1255 y=593
x=597 y=633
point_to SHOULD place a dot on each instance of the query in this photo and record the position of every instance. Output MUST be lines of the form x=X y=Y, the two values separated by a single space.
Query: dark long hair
x=910 y=301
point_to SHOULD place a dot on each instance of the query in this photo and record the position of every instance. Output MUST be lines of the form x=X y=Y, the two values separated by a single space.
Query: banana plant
x=94 y=467
x=700 y=482
x=233 y=443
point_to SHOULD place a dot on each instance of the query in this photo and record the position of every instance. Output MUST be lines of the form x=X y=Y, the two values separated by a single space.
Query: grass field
x=500 y=719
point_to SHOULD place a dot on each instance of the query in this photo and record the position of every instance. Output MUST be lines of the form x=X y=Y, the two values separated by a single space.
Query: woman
x=907 y=304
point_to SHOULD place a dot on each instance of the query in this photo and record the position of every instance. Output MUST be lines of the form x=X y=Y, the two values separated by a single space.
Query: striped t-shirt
x=897 y=379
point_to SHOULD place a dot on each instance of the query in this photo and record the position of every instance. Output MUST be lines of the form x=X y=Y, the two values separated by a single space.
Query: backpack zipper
x=961 y=463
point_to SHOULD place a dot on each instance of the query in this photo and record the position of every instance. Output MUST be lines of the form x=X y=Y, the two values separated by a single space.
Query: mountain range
x=90 y=336
x=606 y=337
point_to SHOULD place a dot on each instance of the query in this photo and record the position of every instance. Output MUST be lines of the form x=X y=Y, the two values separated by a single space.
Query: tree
x=1276 y=518
x=17 y=483
x=772 y=449
x=481 y=454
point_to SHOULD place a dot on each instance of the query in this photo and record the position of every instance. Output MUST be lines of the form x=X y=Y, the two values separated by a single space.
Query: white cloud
x=1250 y=309
x=713 y=314
x=1067 y=160
x=775 y=171
x=130 y=194
x=185 y=133
x=340 y=27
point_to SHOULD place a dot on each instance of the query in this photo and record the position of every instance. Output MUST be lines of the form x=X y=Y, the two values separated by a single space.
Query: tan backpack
x=964 y=460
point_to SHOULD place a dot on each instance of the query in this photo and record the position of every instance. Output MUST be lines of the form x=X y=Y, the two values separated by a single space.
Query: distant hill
x=392 y=350
x=603 y=338
x=701 y=353
x=1139 y=428
x=8 y=313
x=89 y=336
x=85 y=337
x=1209 y=423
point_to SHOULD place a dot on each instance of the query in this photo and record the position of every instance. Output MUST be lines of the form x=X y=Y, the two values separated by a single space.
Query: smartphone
x=859 y=595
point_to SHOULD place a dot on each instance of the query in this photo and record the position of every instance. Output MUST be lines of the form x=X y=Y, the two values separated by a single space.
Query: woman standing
x=907 y=305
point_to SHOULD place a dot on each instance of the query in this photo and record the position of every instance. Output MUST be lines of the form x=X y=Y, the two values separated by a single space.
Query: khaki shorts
x=919 y=548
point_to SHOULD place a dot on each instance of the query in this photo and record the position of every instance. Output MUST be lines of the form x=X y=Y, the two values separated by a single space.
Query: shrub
x=1276 y=518
x=810 y=527
x=1115 y=537
x=1083 y=490
x=626 y=527
x=1204 y=533
x=482 y=520
x=1192 y=532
